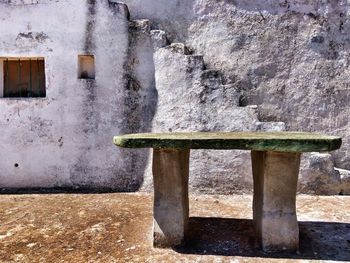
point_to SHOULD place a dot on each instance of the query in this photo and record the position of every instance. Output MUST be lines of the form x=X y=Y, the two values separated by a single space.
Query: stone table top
x=257 y=141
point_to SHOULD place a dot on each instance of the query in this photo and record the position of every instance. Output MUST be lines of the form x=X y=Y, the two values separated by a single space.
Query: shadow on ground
x=235 y=237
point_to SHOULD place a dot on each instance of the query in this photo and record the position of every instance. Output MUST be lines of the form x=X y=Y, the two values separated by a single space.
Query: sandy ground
x=118 y=228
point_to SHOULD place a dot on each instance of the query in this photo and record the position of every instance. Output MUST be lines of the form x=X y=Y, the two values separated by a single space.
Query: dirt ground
x=118 y=228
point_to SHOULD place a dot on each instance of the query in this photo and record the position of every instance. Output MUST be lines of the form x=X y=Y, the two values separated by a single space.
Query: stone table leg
x=275 y=177
x=171 y=209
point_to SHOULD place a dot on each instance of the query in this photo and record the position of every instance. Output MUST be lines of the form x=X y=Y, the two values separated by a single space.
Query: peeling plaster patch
x=60 y=142
x=41 y=127
x=40 y=36
x=31 y=39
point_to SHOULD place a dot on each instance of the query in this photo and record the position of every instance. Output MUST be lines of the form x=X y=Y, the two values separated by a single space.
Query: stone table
x=275 y=161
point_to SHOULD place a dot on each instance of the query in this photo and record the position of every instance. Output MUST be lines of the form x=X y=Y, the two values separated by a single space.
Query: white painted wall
x=65 y=139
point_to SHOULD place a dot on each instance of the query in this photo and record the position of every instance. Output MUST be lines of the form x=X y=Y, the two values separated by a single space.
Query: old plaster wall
x=290 y=58
x=65 y=139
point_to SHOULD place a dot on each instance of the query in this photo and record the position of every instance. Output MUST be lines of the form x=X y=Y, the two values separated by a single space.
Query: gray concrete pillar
x=275 y=177
x=171 y=205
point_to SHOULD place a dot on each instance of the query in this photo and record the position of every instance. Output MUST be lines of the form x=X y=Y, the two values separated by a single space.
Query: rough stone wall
x=65 y=139
x=173 y=16
x=288 y=57
x=191 y=97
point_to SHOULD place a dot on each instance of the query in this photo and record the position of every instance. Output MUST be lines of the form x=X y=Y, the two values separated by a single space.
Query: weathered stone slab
x=257 y=141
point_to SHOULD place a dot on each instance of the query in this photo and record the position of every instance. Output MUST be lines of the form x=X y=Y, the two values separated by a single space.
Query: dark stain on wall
x=90 y=118
x=89 y=45
x=38 y=36
x=90 y=124
x=82 y=173
x=140 y=102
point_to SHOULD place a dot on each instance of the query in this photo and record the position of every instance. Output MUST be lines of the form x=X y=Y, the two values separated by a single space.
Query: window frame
x=81 y=58
x=40 y=76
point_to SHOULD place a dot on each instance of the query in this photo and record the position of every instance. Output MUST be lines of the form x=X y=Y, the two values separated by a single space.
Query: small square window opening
x=86 y=67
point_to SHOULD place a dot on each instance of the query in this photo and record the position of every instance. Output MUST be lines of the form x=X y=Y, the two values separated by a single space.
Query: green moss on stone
x=257 y=141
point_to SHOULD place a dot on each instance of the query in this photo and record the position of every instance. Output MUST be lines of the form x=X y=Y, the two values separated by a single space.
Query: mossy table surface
x=257 y=141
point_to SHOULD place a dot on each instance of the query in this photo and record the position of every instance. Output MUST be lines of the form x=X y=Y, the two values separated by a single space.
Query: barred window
x=23 y=77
